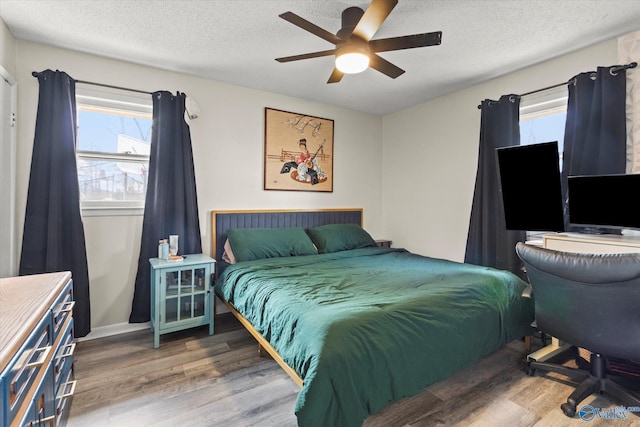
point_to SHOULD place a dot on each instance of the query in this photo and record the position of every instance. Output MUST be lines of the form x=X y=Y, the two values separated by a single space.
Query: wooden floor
x=200 y=380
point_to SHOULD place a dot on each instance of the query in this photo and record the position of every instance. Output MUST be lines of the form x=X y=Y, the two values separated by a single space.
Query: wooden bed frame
x=221 y=221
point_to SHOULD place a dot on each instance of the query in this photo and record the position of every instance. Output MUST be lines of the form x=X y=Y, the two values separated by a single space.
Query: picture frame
x=298 y=152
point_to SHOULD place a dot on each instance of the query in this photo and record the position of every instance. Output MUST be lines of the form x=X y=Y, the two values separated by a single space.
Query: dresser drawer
x=29 y=361
x=63 y=358
x=41 y=411
x=64 y=395
x=62 y=308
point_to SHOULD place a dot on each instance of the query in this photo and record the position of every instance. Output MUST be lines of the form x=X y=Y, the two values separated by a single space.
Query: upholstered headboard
x=221 y=221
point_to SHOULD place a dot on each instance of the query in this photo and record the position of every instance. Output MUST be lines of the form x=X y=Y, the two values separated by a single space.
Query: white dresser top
x=23 y=302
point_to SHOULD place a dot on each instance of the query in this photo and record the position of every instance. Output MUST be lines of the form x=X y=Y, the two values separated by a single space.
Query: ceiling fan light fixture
x=351 y=59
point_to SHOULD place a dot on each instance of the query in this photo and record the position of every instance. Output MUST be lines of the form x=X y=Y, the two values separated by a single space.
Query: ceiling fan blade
x=384 y=66
x=406 y=42
x=336 y=76
x=373 y=18
x=306 y=56
x=312 y=28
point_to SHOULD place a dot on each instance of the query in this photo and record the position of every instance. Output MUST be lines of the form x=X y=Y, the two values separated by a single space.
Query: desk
x=592 y=243
x=582 y=243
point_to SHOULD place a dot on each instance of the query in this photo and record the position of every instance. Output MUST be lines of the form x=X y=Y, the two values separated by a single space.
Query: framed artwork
x=298 y=152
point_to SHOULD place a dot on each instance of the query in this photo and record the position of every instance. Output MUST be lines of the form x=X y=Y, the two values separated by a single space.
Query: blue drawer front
x=64 y=395
x=23 y=369
x=63 y=359
x=62 y=308
x=41 y=411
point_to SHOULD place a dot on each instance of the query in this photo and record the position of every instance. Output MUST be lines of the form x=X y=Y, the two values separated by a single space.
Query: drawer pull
x=68 y=351
x=48 y=420
x=62 y=399
x=68 y=307
x=17 y=385
x=69 y=389
x=44 y=354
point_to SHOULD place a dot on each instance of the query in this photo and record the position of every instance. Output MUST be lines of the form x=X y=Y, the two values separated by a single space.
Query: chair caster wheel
x=568 y=409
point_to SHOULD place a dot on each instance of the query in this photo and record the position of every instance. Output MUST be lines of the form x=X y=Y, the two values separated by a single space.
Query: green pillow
x=340 y=237
x=257 y=243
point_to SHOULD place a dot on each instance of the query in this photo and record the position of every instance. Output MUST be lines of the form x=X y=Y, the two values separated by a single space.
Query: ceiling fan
x=354 y=49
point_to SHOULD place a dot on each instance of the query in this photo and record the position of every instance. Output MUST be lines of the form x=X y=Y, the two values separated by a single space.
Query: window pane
x=543 y=125
x=113 y=131
x=106 y=180
x=112 y=150
x=543 y=129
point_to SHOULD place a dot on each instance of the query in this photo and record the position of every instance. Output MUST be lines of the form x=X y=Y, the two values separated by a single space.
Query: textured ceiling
x=237 y=41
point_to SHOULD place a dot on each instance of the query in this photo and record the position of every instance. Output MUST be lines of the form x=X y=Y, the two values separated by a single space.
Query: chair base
x=593 y=378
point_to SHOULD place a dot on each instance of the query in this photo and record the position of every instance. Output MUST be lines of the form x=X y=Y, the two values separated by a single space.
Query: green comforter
x=366 y=327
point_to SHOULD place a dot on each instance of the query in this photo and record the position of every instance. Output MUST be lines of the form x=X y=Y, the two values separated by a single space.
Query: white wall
x=228 y=144
x=428 y=159
x=8 y=103
x=7 y=49
x=430 y=155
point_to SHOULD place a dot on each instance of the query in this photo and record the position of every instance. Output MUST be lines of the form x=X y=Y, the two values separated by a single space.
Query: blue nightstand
x=181 y=294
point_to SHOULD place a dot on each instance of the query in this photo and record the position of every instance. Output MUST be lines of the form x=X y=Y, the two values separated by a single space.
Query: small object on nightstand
x=383 y=243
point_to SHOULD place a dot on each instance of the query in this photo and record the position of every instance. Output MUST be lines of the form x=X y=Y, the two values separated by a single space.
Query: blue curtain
x=171 y=205
x=53 y=238
x=595 y=131
x=489 y=243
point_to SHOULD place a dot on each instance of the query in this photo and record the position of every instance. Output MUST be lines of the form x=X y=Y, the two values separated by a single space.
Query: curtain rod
x=36 y=74
x=113 y=87
x=613 y=71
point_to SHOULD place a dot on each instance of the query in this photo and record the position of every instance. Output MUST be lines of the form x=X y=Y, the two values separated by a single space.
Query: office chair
x=592 y=302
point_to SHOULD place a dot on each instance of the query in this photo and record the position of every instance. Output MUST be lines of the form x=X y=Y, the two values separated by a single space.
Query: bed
x=355 y=325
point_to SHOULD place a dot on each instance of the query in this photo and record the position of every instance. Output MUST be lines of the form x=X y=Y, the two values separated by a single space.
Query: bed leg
x=527 y=343
x=261 y=351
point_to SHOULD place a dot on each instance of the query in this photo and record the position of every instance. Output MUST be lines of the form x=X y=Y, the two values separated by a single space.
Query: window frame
x=551 y=101
x=129 y=104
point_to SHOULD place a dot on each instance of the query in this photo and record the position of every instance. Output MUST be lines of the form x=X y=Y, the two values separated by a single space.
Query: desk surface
x=601 y=239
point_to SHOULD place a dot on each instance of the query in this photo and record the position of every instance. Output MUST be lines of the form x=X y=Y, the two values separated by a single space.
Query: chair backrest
x=587 y=300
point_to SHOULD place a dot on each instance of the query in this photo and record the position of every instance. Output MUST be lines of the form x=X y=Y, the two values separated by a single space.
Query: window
x=542 y=119
x=113 y=146
x=543 y=116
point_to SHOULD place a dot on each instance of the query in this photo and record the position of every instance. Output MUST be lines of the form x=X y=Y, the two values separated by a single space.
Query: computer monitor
x=604 y=201
x=531 y=188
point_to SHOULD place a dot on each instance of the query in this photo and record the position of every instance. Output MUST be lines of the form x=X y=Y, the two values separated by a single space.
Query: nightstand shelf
x=181 y=294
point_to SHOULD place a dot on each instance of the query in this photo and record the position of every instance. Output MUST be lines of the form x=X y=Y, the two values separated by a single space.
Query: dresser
x=36 y=349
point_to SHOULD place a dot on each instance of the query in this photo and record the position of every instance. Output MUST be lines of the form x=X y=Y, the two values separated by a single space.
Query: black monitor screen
x=604 y=200
x=530 y=185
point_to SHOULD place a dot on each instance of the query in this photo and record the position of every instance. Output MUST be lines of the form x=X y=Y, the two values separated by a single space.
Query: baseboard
x=123 y=328
x=116 y=329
